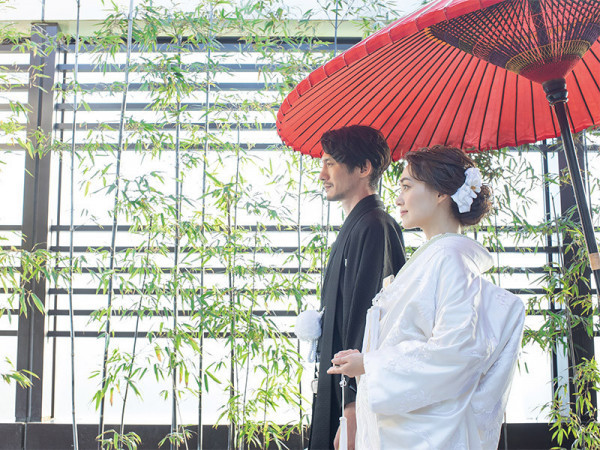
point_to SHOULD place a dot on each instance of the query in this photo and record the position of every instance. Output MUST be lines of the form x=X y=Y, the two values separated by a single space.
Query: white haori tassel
x=343 y=421
x=343 y=434
x=308 y=328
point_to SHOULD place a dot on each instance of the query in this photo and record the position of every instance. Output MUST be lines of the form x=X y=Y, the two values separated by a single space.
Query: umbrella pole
x=556 y=92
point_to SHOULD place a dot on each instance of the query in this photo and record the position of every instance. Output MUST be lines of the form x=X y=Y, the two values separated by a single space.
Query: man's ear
x=366 y=169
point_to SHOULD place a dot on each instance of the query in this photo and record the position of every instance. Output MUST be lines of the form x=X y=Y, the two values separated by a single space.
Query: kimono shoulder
x=450 y=251
x=375 y=222
x=471 y=252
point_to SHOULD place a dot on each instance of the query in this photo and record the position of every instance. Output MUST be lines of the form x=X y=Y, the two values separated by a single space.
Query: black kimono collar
x=369 y=203
x=366 y=204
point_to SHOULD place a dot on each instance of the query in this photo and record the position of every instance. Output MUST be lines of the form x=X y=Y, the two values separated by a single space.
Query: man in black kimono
x=368 y=249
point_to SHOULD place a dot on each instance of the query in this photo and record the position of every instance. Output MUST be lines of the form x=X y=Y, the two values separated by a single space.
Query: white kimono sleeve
x=447 y=364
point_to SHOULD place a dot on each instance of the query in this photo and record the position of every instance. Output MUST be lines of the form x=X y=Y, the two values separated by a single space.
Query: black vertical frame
x=582 y=343
x=30 y=347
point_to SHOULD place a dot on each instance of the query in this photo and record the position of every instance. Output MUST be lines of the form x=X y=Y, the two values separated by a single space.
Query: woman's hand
x=347 y=362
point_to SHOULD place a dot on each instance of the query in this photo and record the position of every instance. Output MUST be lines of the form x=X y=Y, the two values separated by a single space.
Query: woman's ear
x=442 y=197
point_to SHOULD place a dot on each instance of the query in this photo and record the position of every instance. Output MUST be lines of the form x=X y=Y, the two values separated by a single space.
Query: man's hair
x=356 y=144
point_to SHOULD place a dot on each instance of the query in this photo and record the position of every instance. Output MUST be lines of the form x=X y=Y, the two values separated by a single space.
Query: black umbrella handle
x=556 y=92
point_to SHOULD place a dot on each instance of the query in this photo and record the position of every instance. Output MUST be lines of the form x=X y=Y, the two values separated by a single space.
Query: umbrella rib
x=462 y=56
x=464 y=136
x=332 y=88
x=552 y=119
x=533 y=116
x=371 y=94
x=591 y=74
x=423 y=76
x=583 y=98
x=516 y=107
x=477 y=61
x=487 y=103
x=501 y=110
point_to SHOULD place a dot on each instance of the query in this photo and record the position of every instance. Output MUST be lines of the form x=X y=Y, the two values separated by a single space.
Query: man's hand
x=350 y=415
x=347 y=362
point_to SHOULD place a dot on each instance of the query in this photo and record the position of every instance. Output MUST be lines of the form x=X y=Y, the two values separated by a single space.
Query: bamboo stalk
x=135 y=334
x=72 y=232
x=115 y=221
x=299 y=223
x=202 y=229
x=178 y=189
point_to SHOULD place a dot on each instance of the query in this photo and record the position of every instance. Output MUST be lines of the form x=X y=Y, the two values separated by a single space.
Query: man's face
x=339 y=183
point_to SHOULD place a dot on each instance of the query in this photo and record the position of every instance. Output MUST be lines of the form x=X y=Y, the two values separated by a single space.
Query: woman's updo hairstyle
x=443 y=169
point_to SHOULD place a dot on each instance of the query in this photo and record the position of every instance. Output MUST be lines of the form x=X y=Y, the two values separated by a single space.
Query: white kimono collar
x=469 y=248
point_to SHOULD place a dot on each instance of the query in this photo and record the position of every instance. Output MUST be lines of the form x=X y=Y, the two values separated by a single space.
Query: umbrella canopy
x=465 y=73
x=474 y=74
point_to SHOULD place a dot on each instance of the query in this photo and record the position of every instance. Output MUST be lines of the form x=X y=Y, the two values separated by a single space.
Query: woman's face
x=418 y=202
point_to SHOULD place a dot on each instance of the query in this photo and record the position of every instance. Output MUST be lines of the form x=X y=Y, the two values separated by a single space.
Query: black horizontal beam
x=145 y=68
x=283 y=270
x=108 y=228
x=8 y=333
x=258 y=313
x=103 y=107
x=143 y=334
x=118 y=87
x=10 y=227
x=56 y=436
x=235 y=45
x=280 y=228
x=59 y=436
x=161 y=313
x=132 y=147
x=194 y=270
x=92 y=291
x=114 y=126
x=268 y=249
x=227 y=44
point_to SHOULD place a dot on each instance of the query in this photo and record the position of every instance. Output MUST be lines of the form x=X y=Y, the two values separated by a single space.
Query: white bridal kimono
x=440 y=348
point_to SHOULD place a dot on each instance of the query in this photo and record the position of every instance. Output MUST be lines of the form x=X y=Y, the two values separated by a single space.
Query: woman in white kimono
x=441 y=343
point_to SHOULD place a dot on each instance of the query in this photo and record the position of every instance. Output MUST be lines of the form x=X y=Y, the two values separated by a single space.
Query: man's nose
x=323 y=174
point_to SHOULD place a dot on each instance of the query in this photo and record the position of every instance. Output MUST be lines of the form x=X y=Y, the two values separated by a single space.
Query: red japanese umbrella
x=475 y=74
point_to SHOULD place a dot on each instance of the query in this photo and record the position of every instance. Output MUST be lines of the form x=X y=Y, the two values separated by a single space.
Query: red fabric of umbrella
x=419 y=90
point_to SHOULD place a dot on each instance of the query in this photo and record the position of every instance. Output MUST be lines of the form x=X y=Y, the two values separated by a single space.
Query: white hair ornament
x=465 y=194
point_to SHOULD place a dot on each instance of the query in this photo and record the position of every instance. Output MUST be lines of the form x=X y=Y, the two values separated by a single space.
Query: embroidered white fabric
x=439 y=359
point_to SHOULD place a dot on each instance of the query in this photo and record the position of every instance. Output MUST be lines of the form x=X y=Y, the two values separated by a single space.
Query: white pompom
x=308 y=325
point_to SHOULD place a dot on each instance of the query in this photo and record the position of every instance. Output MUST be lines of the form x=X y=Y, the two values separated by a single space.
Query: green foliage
x=115 y=441
x=198 y=261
